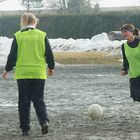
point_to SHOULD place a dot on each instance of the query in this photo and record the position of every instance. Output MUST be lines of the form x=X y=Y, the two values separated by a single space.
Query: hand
x=4 y=75
x=50 y=72
x=123 y=73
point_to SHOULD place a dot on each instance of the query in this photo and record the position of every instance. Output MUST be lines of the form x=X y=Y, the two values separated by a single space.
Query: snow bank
x=99 y=42
x=5 y=44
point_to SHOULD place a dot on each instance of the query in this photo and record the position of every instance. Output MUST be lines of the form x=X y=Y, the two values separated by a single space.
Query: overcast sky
x=15 y=5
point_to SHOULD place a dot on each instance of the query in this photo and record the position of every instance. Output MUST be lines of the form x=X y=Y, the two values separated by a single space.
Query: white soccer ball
x=95 y=112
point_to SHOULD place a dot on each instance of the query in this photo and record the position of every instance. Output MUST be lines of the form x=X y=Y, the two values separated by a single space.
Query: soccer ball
x=95 y=112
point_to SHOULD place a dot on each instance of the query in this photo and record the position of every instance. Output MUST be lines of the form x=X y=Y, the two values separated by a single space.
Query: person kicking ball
x=29 y=54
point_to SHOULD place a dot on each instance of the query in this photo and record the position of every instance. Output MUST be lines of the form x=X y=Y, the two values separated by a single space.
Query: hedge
x=73 y=25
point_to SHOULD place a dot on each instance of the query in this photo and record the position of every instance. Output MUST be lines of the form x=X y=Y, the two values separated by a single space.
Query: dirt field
x=67 y=95
x=92 y=57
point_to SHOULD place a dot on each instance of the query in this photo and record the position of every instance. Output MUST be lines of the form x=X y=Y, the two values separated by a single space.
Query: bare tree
x=94 y=2
x=56 y=4
x=79 y=5
x=60 y=4
x=51 y=3
x=28 y=4
x=63 y=4
x=73 y=5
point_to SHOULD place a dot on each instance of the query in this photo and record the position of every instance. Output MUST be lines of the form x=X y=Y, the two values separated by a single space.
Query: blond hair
x=28 y=19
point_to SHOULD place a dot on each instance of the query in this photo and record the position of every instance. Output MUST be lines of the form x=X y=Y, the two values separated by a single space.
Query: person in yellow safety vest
x=131 y=59
x=29 y=54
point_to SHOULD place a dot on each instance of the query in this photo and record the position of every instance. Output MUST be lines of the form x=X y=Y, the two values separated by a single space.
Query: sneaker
x=25 y=134
x=44 y=128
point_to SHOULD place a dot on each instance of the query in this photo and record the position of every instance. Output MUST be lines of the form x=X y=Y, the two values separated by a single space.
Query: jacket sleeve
x=49 y=54
x=11 y=59
x=125 y=61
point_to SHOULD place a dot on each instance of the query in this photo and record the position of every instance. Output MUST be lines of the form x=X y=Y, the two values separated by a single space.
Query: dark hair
x=136 y=32
x=131 y=28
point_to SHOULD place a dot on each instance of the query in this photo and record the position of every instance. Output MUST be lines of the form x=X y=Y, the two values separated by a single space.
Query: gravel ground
x=67 y=95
